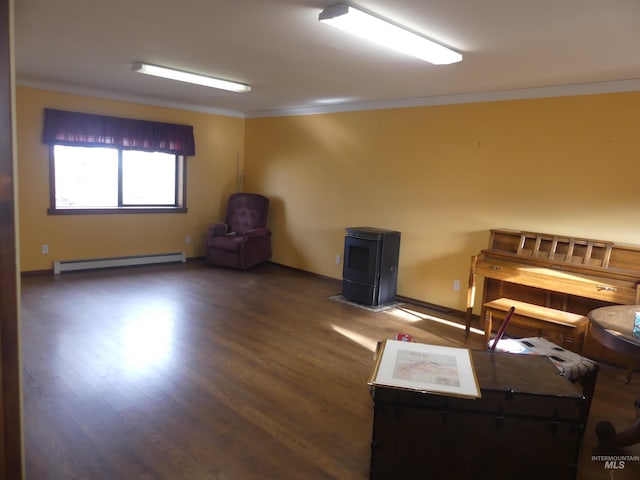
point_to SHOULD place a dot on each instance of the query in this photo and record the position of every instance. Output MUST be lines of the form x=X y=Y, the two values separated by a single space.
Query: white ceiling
x=294 y=62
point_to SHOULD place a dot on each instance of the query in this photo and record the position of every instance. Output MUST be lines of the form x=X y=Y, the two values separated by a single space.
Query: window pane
x=86 y=177
x=148 y=178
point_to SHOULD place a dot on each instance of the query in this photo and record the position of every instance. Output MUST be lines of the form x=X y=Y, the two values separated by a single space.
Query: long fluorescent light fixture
x=190 y=77
x=366 y=25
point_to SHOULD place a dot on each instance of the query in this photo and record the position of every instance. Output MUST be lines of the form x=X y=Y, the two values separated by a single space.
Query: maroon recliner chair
x=244 y=240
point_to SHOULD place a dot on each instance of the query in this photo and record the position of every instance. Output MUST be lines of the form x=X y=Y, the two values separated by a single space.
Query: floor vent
x=88 y=264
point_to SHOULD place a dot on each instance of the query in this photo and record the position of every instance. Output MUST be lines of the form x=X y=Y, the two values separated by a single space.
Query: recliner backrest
x=246 y=211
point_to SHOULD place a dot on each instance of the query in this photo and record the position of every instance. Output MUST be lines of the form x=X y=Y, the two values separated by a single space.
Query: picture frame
x=425 y=368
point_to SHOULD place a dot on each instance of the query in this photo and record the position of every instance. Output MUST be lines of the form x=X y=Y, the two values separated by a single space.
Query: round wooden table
x=613 y=327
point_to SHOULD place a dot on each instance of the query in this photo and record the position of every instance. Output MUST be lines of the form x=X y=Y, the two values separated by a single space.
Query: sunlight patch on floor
x=362 y=340
x=406 y=315
x=413 y=316
x=147 y=339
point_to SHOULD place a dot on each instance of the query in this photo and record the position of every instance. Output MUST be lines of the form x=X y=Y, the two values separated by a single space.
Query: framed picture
x=425 y=368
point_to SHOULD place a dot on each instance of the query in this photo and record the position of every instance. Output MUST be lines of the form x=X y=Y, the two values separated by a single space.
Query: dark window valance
x=84 y=129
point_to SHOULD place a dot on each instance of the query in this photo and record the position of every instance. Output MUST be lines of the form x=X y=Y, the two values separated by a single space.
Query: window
x=98 y=180
x=102 y=164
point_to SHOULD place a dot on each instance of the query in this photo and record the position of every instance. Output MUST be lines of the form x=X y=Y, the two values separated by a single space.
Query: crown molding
x=111 y=95
x=615 y=86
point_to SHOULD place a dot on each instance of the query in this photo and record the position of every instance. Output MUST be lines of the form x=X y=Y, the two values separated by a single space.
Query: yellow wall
x=211 y=177
x=444 y=176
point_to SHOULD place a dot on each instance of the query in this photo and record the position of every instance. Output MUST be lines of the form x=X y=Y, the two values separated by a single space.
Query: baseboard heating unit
x=93 y=263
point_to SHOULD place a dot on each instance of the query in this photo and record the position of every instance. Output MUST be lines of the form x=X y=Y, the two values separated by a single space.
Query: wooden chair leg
x=488 y=325
x=607 y=436
x=467 y=323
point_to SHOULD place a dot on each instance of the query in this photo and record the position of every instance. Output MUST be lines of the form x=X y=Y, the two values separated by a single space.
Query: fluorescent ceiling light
x=190 y=77
x=358 y=22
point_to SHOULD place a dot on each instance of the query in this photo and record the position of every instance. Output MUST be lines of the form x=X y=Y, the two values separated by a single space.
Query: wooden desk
x=613 y=327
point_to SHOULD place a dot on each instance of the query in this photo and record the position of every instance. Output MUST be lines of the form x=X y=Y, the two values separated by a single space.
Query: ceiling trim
x=123 y=97
x=616 y=86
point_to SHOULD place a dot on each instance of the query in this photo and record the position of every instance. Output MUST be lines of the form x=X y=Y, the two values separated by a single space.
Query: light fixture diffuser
x=188 y=77
x=382 y=32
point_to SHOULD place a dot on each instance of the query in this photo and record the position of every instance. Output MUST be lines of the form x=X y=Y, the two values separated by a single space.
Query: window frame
x=180 y=190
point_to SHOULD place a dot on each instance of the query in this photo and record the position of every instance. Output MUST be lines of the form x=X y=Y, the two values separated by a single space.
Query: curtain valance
x=84 y=129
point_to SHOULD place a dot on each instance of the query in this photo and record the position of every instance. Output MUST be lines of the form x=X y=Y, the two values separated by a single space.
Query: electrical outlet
x=456 y=285
x=187 y=240
x=45 y=248
x=338 y=259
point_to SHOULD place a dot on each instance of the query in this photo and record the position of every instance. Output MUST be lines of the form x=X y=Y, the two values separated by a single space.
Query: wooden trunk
x=527 y=425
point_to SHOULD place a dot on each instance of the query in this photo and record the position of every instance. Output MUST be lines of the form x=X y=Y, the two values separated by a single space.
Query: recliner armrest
x=218 y=229
x=258 y=232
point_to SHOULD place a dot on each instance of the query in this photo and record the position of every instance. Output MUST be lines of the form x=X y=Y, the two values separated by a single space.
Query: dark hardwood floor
x=189 y=372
